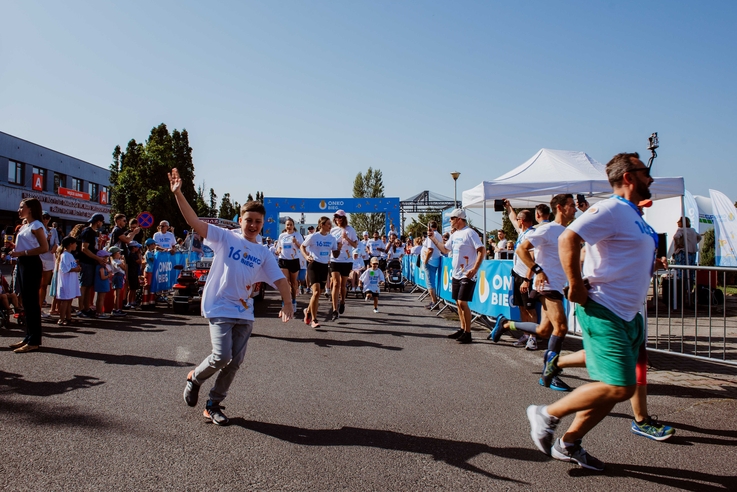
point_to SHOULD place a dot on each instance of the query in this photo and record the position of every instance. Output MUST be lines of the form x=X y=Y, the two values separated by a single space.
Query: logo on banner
x=323 y=205
x=483 y=287
x=446 y=279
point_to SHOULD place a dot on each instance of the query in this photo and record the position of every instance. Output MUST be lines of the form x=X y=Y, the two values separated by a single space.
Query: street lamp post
x=455 y=175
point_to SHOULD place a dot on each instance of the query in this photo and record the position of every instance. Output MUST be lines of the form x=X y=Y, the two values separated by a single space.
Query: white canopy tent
x=550 y=172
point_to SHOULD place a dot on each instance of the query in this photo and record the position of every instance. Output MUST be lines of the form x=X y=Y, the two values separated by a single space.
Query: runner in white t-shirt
x=371 y=280
x=364 y=249
x=620 y=257
x=287 y=250
x=318 y=248
x=239 y=263
x=340 y=266
x=468 y=253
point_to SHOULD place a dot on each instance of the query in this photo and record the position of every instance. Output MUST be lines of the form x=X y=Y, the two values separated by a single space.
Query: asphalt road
x=370 y=402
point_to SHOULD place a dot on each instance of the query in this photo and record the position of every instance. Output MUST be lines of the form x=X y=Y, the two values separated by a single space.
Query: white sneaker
x=376 y=310
x=45 y=315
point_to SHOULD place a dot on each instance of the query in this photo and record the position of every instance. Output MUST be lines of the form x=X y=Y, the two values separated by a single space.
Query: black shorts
x=521 y=299
x=553 y=295
x=463 y=289
x=374 y=295
x=317 y=273
x=366 y=263
x=87 y=275
x=343 y=268
x=291 y=265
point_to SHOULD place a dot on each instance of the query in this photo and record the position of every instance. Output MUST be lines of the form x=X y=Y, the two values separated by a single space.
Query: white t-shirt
x=25 y=239
x=416 y=250
x=363 y=249
x=49 y=258
x=394 y=253
x=518 y=267
x=321 y=247
x=501 y=246
x=288 y=249
x=238 y=264
x=374 y=245
x=370 y=279
x=620 y=253
x=545 y=241
x=165 y=239
x=346 y=250
x=434 y=259
x=67 y=281
x=463 y=244
x=358 y=264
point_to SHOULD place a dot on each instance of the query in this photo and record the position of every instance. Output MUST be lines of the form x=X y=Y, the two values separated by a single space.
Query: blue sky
x=295 y=97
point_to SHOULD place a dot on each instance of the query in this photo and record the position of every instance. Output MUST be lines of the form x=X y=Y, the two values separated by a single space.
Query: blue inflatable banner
x=165 y=276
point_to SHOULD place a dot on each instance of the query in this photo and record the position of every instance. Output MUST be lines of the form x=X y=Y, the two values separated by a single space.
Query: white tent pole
x=484 y=241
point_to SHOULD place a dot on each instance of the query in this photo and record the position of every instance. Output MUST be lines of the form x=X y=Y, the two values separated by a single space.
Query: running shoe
x=652 y=429
x=341 y=308
x=376 y=310
x=496 y=333
x=45 y=315
x=214 y=413
x=522 y=341
x=556 y=384
x=308 y=316
x=576 y=454
x=531 y=343
x=103 y=315
x=429 y=306
x=465 y=337
x=550 y=368
x=541 y=428
x=118 y=312
x=191 y=390
x=334 y=316
x=456 y=334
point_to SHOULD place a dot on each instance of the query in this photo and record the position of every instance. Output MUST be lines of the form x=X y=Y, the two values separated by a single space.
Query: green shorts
x=612 y=344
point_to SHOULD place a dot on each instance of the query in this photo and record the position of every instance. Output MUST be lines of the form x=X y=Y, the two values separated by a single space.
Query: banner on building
x=725 y=229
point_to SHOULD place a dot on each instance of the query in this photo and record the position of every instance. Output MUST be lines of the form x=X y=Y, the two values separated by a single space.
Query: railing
x=689 y=313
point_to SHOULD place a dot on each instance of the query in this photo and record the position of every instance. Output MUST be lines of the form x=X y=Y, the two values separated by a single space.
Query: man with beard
x=619 y=262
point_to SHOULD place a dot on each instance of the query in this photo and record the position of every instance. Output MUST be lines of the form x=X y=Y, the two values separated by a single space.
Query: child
x=102 y=283
x=371 y=279
x=356 y=271
x=148 y=258
x=67 y=280
x=133 y=261
x=118 y=282
x=238 y=264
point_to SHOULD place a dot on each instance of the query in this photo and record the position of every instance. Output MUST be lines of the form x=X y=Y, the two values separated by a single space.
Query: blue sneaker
x=652 y=429
x=550 y=368
x=556 y=384
x=496 y=333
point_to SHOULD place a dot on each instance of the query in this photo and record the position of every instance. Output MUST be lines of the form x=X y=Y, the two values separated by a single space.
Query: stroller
x=393 y=279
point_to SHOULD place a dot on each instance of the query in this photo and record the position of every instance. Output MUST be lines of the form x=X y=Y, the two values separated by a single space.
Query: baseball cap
x=96 y=218
x=102 y=253
x=45 y=214
x=134 y=244
x=374 y=260
x=340 y=213
x=149 y=242
x=113 y=249
x=365 y=233
x=458 y=213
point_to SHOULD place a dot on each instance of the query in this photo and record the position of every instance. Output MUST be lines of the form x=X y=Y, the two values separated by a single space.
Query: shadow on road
x=328 y=343
x=663 y=477
x=16 y=384
x=123 y=360
x=454 y=453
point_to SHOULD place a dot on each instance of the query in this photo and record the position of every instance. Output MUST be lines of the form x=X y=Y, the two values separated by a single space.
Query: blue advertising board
x=165 y=275
x=493 y=286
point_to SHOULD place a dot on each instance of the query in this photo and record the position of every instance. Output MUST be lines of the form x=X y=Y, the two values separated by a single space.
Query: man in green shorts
x=619 y=261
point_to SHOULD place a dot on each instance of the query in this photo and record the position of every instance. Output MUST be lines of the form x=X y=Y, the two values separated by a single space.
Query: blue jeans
x=229 y=337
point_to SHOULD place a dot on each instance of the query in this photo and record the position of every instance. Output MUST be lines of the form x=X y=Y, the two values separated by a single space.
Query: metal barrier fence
x=689 y=313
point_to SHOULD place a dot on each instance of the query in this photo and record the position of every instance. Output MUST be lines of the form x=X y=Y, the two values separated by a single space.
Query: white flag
x=725 y=229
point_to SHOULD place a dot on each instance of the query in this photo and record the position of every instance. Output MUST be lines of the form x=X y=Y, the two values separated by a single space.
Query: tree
x=213 y=204
x=249 y=198
x=200 y=203
x=418 y=227
x=228 y=210
x=708 y=252
x=139 y=176
x=369 y=185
